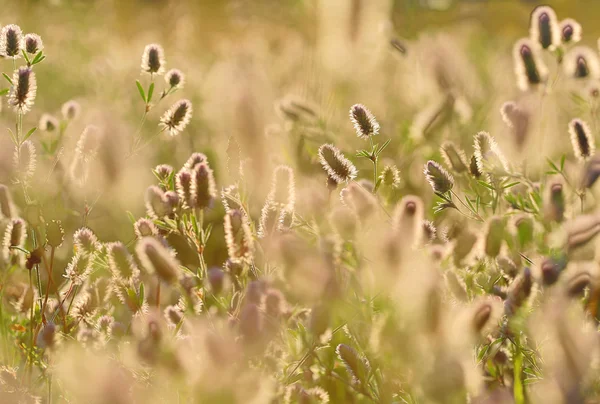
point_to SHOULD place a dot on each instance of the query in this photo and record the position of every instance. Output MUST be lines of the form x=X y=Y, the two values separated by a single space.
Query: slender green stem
x=477 y=215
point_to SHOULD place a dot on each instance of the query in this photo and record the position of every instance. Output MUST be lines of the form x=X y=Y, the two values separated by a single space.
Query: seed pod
x=390 y=176
x=554 y=202
x=570 y=31
x=283 y=189
x=157 y=259
x=48 y=123
x=519 y=291
x=157 y=205
x=494 y=236
x=203 y=187
x=23 y=90
x=11 y=41
x=176 y=118
x=544 y=27
x=581 y=139
x=32 y=44
x=364 y=122
x=529 y=68
x=582 y=62
x=120 y=262
x=358 y=199
x=440 y=180
x=175 y=79
x=70 y=110
x=454 y=157
x=145 y=228
x=335 y=164
x=358 y=367
x=153 y=59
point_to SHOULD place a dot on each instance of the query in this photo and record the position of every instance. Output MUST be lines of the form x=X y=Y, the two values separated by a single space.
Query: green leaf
x=37 y=58
x=485 y=184
x=7 y=78
x=12 y=135
x=40 y=60
x=131 y=217
x=26 y=57
x=31 y=131
x=4 y=92
x=383 y=146
x=141 y=90
x=553 y=165
x=150 y=92
x=562 y=162
x=512 y=184
x=142 y=294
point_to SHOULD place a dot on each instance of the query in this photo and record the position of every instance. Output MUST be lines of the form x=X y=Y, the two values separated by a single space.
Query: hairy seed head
x=79 y=268
x=429 y=231
x=582 y=139
x=175 y=79
x=204 y=190
x=544 y=27
x=32 y=43
x=145 y=228
x=582 y=62
x=153 y=59
x=529 y=68
x=120 y=261
x=494 y=236
x=454 y=157
x=390 y=176
x=582 y=230
x=591 y=172
x=88 y=143
x=11 y=41
x=85 y=241
x=48 y=123
x=25 y=160
x=157 y=205
x=176 y=118
x=55 y=235
x=283 y=189
x=70 y=110
x=364 y=122
x=157 y=259
x=517 y=120
x=407 y=220
x=358 y=199
x=23 y=90
x=183 y=184
x=554 y=201
x=238 y=236
x=335 y=164
x=441 y=181
x=268 y=219
x=518 y=292
x=195 y=159
x=163 y=172
x=570 y=31
x=488 y=156
x=357 y=366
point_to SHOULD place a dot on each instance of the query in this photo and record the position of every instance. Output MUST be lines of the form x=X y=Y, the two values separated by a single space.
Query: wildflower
x=238 y=236
x=172 y=200
x=153 y=59
x=358 y=367
x=364 y=122
x=268 y=219
x=70 y=110
x=429 y=231
x=359 y=199
x=440 y=180
x=48 y=123
x=32 y=43
x=554 y=202
x=582 y=62
x=518 y=292
x=145 y=228
x=216 y=279
x=551 y=269
x=544 y=27
x=120 y=262
x=176 y=118
x=79 y=268
x=163 y=172
x=195 y=159
x=582 y=230
x=203 y=187
x=183 y=185
x=517 y=119
x=454 y=157
x=283 y=190
x=55 y=235
x=25 y=160
x=488 y=156
x=297 y=110
x=529 y=68
x=473 y=168
x=335 y=164
x=157 y=259
x=23 y=91
x=14 y=236
x=11 y=41
x=570 y=31
x=173 y=315
x=157 y=204
x=390 y=176
x=251 y=323
x=47 y=336
x=581 y=139
x=88 y=143
x=175 y=79
x=591 y=172
x=230 y=197
x=85 y=240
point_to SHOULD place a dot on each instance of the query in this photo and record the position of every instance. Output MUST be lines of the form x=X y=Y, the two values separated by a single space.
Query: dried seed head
x=295 y=109
x=238 y=236
x=529 y=68
x=454 y=157
x=86 y=241
x=268 y=219
x=145 y=228
x=357 y=366
x=283 y=189
x=591 y=172
x=163 y=172
x=7 y=209
x=70 y=110
x=32 y=44
x=494 y=236
x=364 y=122
x=554 y=201
x=175 y=79
x=48 y=123
x=183 y=184
x=79 y=268
x=582 y=62
x=157 y=204
x=544 y=27
x=488 y=156
x=358 y=199
x=157 y=259
x=440 y=180
x=335 y=164
x=153 y=59
x=429 y=231
x=23 y=90
x=11 y=41
x=390 y=176
x=55 y=235
x=582 y=139
x=570 y=31
x=176 y=118
x=121 y=263
x=195 y=159
x=203 y=189
x=25 y=160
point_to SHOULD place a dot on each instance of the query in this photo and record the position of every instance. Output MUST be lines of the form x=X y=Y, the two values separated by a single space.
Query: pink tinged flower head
x=176 y=118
